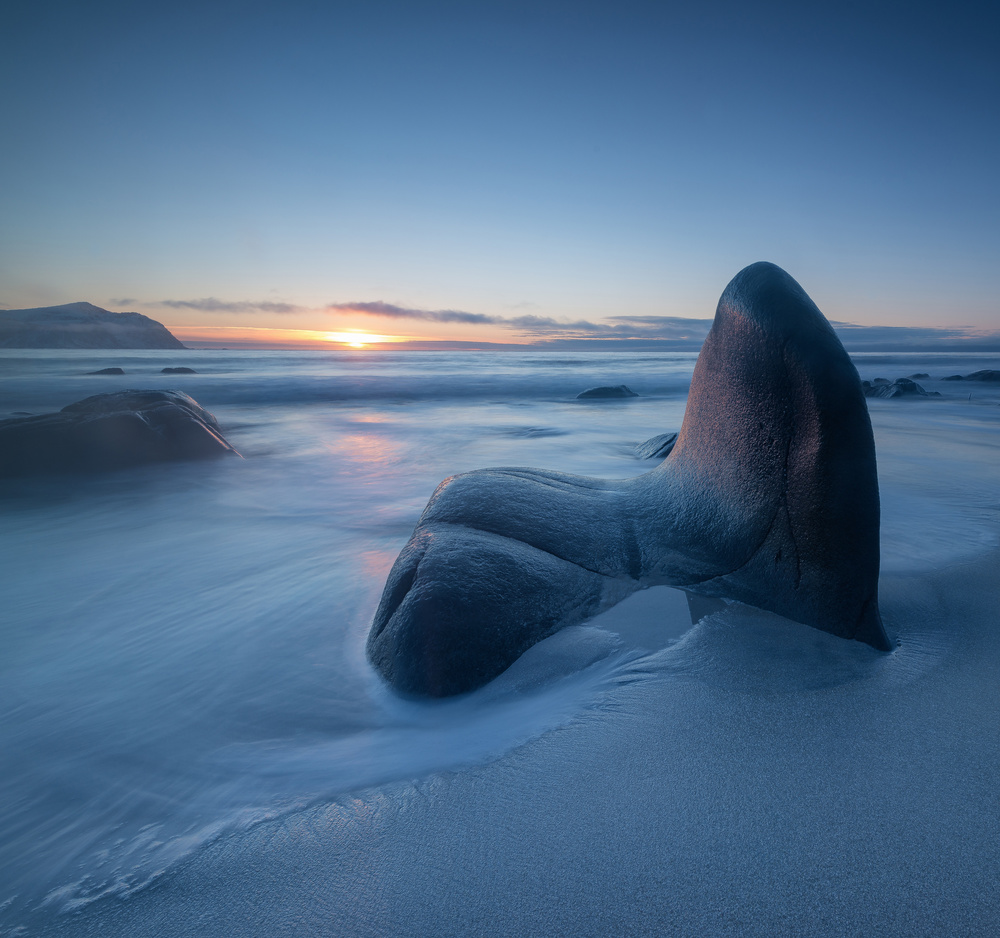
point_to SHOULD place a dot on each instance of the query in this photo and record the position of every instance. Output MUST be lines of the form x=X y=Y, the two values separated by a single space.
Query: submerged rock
x=901 y=387
x=606 y=393
x=180 y=370
x=769 y=496
x=656 y=447
x=110 y=431
x=108 y=371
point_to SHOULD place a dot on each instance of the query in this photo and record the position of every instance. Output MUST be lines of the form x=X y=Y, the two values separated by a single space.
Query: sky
x=497 y=171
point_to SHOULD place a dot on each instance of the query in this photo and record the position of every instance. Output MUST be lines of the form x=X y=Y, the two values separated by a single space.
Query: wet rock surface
x=656 y=447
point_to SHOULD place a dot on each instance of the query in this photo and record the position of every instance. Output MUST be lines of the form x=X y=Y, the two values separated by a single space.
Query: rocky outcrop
x=107 y=371
x=110 y=431
x=181 y=370
x=769 y=496
x=81 y=325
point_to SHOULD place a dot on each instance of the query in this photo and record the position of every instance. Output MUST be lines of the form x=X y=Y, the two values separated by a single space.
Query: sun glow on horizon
x=358 y=339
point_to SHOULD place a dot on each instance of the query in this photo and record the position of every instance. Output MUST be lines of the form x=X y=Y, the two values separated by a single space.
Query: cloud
x=124 y=301
x=663 y=327
x=916 y=338
x=378 y=308
x=211 y=305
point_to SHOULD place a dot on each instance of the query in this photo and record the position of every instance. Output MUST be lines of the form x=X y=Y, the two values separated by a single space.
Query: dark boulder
x=919 y=374
x=108 y=371
x=606 y=393
x=769 y=496
x=181 y=370
x=985 y=375
x=110 y=431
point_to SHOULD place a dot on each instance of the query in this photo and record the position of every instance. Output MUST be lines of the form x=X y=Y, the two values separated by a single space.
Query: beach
x=195 y=743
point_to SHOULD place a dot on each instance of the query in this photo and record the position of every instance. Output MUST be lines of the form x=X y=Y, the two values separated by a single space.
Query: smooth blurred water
x=181 y=646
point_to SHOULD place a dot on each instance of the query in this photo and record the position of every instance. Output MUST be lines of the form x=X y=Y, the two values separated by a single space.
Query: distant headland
x=81 y=325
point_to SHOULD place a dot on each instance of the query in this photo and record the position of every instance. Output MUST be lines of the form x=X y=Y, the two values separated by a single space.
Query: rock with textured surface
x=110 y=431
x=769 y=497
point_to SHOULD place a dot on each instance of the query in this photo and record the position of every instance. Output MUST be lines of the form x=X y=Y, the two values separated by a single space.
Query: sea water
x=182 y=646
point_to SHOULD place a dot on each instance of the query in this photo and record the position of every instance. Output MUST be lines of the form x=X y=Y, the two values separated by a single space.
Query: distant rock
x=181 y=370
x=987 y=374
x=606 y=393
x=881 y=381
x=81 y=325
x=110 y=431
x=108 y=371
x=919 y=374
x=901 y=387
x=657 y=447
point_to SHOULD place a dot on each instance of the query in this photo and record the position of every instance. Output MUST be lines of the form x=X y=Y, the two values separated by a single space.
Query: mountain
x=81 y=325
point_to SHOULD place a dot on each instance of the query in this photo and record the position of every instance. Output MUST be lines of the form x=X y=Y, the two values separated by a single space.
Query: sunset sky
x=497 y=171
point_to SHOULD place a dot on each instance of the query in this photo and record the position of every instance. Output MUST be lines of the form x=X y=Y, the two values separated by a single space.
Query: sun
x=355 y=339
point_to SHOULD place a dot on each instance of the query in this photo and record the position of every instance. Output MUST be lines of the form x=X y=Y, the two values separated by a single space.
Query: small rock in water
x=110 y=431
x=656 y=447
x=607 y=393
x=901 y=387
x=881 y=381
x=107 y=371
x=919 y=374
x=181 y=370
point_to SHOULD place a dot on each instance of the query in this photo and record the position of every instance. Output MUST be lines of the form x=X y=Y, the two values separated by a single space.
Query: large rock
x=81 y=325
x=769 y=496
x=110 y=431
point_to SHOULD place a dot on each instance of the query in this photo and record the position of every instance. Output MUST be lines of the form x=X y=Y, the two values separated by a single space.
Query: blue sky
x=566 y=161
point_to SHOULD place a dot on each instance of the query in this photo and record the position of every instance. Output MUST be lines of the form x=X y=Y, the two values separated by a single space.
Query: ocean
x=183 y=679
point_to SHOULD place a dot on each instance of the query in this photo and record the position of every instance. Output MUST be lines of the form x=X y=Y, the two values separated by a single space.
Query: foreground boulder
x=110 y=431
x=769 y=496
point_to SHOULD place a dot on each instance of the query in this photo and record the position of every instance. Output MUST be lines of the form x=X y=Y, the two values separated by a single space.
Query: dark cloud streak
x=211 y=305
